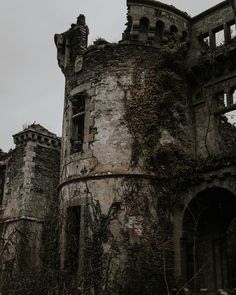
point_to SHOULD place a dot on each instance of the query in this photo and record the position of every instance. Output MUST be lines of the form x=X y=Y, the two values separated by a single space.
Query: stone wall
x=31 y=178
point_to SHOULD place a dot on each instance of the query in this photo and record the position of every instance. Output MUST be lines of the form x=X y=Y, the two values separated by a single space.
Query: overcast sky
x=31 y=84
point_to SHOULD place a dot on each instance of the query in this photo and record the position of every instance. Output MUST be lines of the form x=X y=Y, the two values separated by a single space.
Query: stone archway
x=208 y=241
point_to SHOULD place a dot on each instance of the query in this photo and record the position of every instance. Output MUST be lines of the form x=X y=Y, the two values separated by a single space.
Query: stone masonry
x=29 y=177
x=141 y=206
x=140 y=193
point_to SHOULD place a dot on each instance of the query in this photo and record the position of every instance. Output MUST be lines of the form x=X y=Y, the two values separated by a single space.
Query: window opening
x=144 y=25
x=234 y=96
x=222 y=100
x=220 y=38
x=73 y=239
x=205 y=42
x=233 y=31
x=160 y=27
x=143 y=29
x=78 y=118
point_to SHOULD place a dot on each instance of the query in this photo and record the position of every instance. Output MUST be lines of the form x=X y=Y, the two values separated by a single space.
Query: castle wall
x=211 y=65
x=118 y=212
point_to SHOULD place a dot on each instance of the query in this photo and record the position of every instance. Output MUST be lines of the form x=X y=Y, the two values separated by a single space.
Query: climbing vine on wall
x=156 y=102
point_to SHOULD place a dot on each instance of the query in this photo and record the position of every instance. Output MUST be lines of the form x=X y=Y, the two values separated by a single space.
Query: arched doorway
x=209 y=241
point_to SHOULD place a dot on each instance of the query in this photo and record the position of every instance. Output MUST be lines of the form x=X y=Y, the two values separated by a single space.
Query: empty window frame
x=232 y=30
x=219 y=37
x=78 y=118
x=73 y=239
x=204 y=42
x=233 y=96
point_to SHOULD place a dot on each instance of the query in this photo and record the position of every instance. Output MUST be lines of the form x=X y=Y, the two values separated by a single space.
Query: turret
x=152 y=22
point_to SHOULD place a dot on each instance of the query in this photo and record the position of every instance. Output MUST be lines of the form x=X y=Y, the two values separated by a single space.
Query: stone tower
x=146 y=154
x=28 y=180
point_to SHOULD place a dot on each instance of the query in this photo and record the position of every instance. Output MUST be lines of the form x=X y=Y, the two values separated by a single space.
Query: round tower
x=111 y=234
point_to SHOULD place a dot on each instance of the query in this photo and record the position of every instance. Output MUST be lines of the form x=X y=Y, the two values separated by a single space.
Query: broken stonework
x=156 y=137
x=145 y=200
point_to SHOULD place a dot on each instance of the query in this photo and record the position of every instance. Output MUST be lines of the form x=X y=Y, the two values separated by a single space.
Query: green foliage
x=153 y=102
x=100 y=41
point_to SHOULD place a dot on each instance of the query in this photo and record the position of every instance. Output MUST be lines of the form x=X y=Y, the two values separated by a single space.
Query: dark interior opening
x=173 y=29
x=209 y=241
x=73 y=239
x=160 y=28
x=143 y=29
x=78 y=118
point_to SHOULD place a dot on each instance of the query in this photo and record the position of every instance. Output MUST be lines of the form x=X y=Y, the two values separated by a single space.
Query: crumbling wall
x=150 y=130
x=111 y=182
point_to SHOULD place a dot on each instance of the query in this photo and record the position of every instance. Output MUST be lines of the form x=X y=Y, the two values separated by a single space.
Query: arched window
x=143 y=29
x=144 y=25
x=160 y=28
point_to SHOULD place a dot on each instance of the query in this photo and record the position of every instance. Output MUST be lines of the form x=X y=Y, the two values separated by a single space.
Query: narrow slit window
x=78 y=118
x=73 y=239
x=222 y=100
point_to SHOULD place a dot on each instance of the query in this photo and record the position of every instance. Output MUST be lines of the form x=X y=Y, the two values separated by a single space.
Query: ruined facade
x=147 y=198
x=147 y=188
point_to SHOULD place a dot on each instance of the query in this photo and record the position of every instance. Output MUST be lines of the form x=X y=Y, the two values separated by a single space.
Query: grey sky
x=31 y=84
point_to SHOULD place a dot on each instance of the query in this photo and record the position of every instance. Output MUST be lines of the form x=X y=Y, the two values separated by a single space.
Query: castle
x=144 y=175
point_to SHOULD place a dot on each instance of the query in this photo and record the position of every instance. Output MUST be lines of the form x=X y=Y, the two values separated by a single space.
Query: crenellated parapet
x=39 y=135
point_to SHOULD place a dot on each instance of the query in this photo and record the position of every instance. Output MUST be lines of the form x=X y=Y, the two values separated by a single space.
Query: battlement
x=39 y=134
